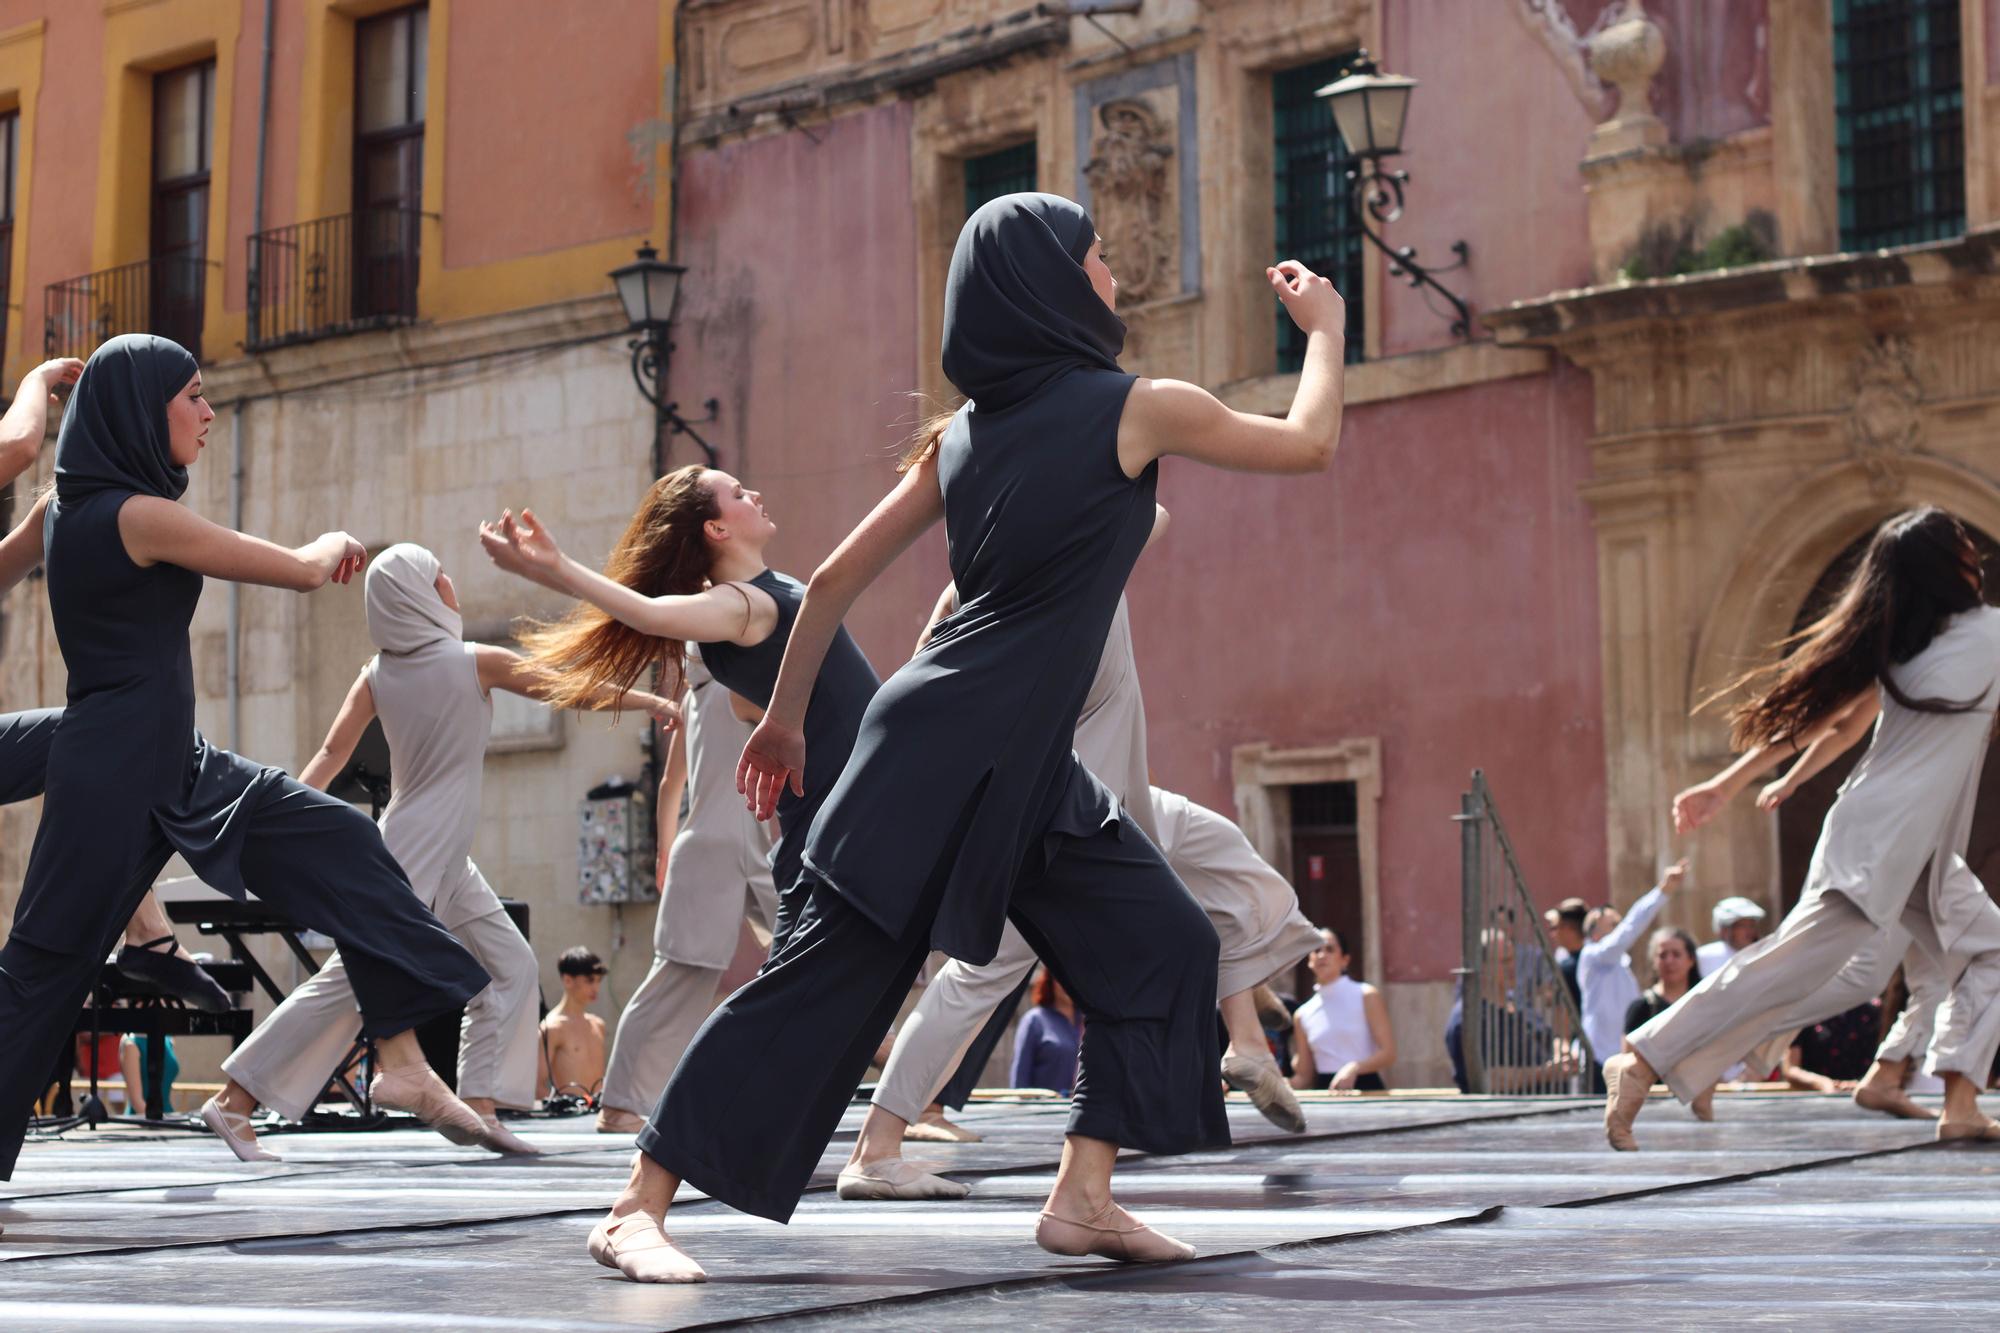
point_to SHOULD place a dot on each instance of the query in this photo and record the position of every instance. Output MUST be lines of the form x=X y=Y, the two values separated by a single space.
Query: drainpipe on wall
x=236 y=418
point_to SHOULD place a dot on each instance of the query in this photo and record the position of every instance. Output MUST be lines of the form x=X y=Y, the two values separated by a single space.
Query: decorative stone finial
x=1627 y=54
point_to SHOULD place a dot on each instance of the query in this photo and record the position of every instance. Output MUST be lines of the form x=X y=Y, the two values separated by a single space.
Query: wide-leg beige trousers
x=1769 y=988
x=287 y=1061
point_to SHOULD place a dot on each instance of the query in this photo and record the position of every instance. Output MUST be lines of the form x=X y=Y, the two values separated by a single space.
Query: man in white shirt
x=1739 y=923
x=1604 y=964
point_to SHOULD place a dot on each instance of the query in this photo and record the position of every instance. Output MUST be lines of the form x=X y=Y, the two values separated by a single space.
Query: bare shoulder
x=596 y=1024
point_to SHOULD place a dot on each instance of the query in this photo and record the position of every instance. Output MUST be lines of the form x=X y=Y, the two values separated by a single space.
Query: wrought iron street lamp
x=649 y=288
x=1369 y=108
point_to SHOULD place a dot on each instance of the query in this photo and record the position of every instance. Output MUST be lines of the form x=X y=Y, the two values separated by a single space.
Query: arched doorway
x=1800 y=818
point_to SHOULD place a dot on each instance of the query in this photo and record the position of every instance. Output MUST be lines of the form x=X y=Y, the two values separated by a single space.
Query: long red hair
x=662 y=551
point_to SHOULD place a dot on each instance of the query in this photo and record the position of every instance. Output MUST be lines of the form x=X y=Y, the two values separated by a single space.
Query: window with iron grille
x=1316 y=224
x=391 y=85
x=990 y=175
x=1899 y=121
x=183 y=138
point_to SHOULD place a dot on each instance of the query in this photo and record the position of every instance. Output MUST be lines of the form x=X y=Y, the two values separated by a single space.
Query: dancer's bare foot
x=1881 y=1089
x=1983 y=1130
x=611 y=1120
x=933 y=1127
x=1704 y=1105
x=1110 y=1232
x=1627 y=1080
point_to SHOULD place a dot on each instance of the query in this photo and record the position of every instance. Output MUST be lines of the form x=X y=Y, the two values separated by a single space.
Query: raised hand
x=54 y=373
x=1675 y=874
x=774 y=758
x=345 y=555
x=1312 y=301
x=535 y=542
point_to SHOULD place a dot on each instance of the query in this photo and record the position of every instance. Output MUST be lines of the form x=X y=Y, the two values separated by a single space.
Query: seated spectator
x=572 y=1061
x=1675 y=971
x=1341 y=1038
x=1045 y=1044
x=1517 y=1049
x=132 y=1060
x=1832 y=1056
x=101 y=1060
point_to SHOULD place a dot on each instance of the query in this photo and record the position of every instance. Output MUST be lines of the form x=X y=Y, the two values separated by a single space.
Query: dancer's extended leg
x=1711 y=1026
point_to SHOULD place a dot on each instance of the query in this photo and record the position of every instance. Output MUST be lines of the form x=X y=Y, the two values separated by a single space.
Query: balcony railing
x=332 y=276
x=164 y=295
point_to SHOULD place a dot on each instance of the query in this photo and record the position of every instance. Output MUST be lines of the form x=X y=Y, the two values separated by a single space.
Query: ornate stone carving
x=1548 y=23
x=1885 y=426
x=1129 y=184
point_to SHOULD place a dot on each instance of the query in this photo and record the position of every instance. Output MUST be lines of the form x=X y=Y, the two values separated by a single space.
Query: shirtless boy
x=572 y=1037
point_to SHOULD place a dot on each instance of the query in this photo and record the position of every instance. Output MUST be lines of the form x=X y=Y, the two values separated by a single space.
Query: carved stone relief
x=1885 y=425
x=1132 y=191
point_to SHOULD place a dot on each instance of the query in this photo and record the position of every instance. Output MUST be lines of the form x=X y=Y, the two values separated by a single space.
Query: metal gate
x=1521 y=1032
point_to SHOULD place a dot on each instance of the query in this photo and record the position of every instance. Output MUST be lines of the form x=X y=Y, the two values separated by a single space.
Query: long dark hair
x=662 y=551
x=1919 y=570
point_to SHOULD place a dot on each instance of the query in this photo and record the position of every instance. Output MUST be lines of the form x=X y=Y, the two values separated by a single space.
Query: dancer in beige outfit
x=432 y=692
x=1912 y=622
x=718 y=874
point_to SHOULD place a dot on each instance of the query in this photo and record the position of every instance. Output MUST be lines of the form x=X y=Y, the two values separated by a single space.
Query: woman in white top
x=1912 y=621
x=1341 y=1038
x=432 y=691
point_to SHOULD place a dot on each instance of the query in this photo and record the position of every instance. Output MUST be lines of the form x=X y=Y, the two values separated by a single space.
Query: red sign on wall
x=1315 y=867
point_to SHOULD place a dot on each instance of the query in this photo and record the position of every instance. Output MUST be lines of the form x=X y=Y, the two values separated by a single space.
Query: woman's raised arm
x=776 y=754
x=1173 y=417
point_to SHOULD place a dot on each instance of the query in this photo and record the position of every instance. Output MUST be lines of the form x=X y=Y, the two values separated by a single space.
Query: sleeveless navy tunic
x=833 y=716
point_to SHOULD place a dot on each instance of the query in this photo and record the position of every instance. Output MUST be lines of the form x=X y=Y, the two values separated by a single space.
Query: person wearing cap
x=1739 y=923
x=572 y=1036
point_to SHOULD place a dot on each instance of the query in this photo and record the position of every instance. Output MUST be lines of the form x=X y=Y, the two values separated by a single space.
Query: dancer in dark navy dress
x=131 y=782
x=963 y=804
x=690 y=568
x=150 y=948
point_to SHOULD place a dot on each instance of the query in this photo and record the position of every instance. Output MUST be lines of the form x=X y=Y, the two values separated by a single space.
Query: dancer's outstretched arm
x=776 y=754
x=1703 y=801
x=159 y=531
x=1173 y=417
x=1850 y=725
x=725 y=613
x=504 y=669
x=26 y=424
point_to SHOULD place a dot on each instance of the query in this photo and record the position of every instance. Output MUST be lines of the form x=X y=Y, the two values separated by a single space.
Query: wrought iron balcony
x=164 y=295
x=333 y=275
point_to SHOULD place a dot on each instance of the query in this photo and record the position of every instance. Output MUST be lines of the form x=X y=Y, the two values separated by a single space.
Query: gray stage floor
x=1396 y=1212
